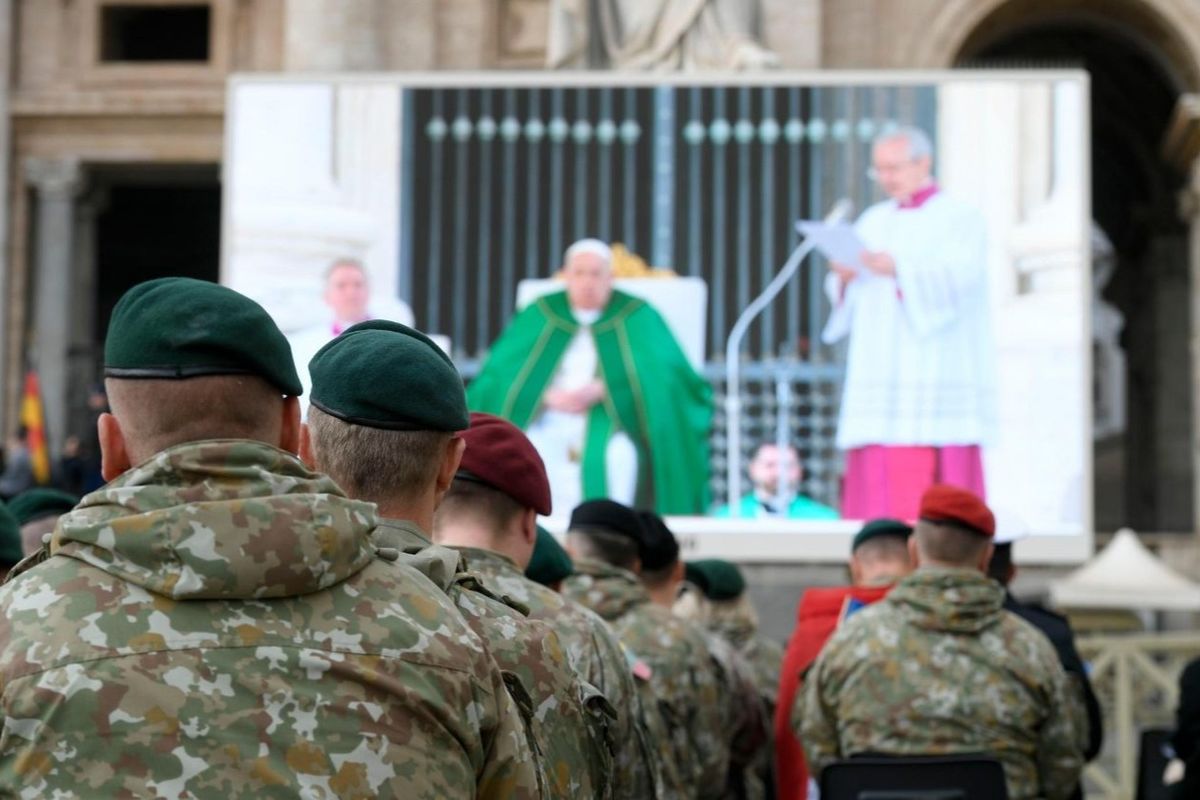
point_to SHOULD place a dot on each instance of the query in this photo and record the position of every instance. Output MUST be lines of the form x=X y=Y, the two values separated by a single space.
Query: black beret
x=607 y=516
x=382 y=374
x=550 y=562
x=659 y=548
x=33 y=504
x=718 y=579
x=10 y=538
x=880 y=527
x=184 y=328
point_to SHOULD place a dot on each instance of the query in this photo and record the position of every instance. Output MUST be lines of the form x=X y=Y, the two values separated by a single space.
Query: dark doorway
x=149 y=222
x=1143 y=477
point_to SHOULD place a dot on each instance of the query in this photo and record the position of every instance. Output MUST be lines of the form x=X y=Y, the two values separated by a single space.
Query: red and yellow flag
x=33 y=419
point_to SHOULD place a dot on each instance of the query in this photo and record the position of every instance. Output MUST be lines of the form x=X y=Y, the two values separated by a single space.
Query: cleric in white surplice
x=918 y=401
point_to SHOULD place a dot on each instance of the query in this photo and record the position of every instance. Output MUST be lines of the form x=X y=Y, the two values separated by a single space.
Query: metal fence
x=705 y=180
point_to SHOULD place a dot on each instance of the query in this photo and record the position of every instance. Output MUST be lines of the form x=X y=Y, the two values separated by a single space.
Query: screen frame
x=746 y=540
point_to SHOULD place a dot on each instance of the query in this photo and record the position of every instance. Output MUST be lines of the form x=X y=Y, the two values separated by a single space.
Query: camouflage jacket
x=939 y=667
x=691 y=697
x=567 y=719
x=215 y=623
x=731 y=631
x=595 y=653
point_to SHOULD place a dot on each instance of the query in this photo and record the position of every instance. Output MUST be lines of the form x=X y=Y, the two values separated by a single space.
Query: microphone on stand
x=838 y=212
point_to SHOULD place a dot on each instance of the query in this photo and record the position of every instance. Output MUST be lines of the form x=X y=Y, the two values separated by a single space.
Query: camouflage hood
x=610 y=591
x=954 y=600
x=222 y=519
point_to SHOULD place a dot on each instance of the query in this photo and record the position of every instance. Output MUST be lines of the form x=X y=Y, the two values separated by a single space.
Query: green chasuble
x=653 y=395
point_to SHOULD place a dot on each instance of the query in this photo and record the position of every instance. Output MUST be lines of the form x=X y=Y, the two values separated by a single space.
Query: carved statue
x=665 y=35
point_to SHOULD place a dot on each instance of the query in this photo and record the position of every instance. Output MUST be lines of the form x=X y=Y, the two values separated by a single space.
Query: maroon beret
x=501 y=456
x=942 y=503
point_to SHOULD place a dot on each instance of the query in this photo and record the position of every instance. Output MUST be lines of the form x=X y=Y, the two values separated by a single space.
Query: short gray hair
x=375 y=464
x=919 y=144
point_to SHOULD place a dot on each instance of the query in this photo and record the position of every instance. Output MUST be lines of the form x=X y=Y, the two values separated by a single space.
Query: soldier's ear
x=914 y=553
x=289 y=433
x=987 y=558
x=451 y=458
x=306 y=450
x=114 y=455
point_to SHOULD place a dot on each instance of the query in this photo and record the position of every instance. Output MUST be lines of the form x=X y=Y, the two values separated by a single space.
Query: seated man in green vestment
x=768 y=468
x=600 y=385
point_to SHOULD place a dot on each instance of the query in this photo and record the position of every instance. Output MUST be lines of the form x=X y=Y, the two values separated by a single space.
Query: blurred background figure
x=770 y=468
x=347 y=298
x=18 y=465
x=879 y=559
x=714 y=597
x=37 y=511
x=10 y=541
x=1085 y=707
x=917 y=403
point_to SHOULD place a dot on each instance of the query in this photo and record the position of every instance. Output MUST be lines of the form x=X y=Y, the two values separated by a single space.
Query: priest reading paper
x=919 y=394
x=604 y=392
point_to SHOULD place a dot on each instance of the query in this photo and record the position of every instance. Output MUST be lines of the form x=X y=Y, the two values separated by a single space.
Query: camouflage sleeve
x=1059 y=755
x=510 y=768
x=814 y=719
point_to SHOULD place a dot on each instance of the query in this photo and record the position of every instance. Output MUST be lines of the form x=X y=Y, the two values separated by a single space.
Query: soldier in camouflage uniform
x=215 y=621
x=607 y=541
x=744 y=725
x=490 y=516
x=939 y=666
x=715 y=598
x=386 y=408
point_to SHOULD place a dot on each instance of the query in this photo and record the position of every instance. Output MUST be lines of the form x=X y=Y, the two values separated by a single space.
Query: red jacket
x=817 y=616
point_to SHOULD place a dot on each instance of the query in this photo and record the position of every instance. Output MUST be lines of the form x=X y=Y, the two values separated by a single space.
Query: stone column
x=1190 y=211
x=56 y=183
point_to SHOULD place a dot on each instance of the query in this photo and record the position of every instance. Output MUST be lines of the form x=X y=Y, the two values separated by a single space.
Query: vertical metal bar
x=408 y=207
x=817 y=201
x=784 y=491
x=510 y=132
x=768 y=133
x=436 y=130
x=718 y=131
x=581 y=132
x=629 y=139
x=696 y=135
x=559 y=130
x=535 y=129
x=461 y=131
x=794 y=134
x=744 y=135
x=606 y=131
x=662 y=249
x=483 y=254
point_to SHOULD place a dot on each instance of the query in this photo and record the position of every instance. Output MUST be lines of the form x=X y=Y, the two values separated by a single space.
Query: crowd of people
x=363 y=604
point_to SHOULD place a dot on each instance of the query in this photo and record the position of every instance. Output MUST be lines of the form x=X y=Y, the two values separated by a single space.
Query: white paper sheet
x=836 y=241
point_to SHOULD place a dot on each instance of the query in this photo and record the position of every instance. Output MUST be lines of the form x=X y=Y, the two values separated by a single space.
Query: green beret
x=550 y=563
x=10 y=538
x=880 y=527
x=185 y=328
x=386 y=375
x=718 y=579
x=33 y=504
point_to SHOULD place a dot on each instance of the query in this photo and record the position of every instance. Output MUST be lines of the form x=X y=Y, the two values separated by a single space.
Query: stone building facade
x=114 y=115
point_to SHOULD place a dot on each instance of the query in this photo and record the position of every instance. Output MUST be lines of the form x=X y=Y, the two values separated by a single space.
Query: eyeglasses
x=874 y=174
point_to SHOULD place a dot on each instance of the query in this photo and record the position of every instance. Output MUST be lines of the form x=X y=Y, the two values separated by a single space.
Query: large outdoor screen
x=938 y=331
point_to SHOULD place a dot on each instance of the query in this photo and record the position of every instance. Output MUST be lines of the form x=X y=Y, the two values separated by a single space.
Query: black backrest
x=969 y=777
